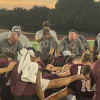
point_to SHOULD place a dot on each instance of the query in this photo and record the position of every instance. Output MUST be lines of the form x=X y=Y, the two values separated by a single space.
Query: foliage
x=81 y=15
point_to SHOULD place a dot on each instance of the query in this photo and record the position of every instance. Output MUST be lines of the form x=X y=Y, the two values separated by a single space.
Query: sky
x=97 y=0
x=10 y=4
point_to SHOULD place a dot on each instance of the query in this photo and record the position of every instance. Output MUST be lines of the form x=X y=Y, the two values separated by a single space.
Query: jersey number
x=79 y=72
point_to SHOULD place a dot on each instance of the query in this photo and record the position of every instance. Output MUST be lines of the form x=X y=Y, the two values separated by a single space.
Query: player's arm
x=84 y=51
x=60 y=47
x=86 y=44
x=58 y=53
x=51 y=51
x=56 y=83
x=38 y=36
x=65 y=67
x=94 y=49
x=55 y=69
x=55 y=36
x=38 y=88
x=64 y=74
x=52 y=46
x=62 y=93
x=7 y=69
x=38 y=39
x=90 y=49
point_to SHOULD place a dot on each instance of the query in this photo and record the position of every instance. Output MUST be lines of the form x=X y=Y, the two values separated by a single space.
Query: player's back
x=76 y=69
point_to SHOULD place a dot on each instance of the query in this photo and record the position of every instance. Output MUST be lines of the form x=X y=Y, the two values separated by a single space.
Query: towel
x=66 y=53
x=29 y=69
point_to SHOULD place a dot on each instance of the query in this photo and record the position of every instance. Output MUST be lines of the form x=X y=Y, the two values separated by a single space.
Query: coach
x=71 y=43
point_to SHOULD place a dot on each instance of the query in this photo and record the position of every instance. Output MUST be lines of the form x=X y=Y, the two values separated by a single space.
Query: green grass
x=91 y=43
x=35 y=44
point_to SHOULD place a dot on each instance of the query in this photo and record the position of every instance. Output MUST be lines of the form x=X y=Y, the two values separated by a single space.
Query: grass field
x=35 y=44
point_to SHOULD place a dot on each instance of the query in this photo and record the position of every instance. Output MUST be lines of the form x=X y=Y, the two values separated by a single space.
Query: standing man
x=11 y=44
x=39 y=35
x=48 y=43
x=71 y=43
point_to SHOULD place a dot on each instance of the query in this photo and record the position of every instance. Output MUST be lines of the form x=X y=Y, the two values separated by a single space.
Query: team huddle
x=64 y=71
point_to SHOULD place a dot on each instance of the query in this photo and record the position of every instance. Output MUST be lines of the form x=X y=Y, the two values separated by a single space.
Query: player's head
x=38 y=55
x=3 y=57
x=87 y=58
x=32 y=54
x=46 y=25
x=77 y=59
x=95 y=58
x=86 y=71
x=69 y=59
x=46 y=34
x=10 y=56
x=45 y=72
x=49 y=58
x=59 y=64
x=72 y=35
x=12 y=38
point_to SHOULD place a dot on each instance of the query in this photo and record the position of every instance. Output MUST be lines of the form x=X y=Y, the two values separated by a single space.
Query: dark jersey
x=95 y=79
x=77 y=86
x=19 y=87
x=48 y=92
x=42 y=64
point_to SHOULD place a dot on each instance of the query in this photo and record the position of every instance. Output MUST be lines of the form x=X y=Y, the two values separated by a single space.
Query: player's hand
x=58 y=54
x=11 y=65
x=81 y=77
x=87 y=84
x=49 y=66
x=65 y=67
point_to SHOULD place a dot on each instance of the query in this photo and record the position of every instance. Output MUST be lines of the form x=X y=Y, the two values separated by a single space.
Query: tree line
x=81 y=15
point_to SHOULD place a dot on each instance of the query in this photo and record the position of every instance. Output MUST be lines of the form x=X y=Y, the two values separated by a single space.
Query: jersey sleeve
x=38 y=34
x=55 y=35
x=85 y=42
x=27 y=42
x=53 y=44
x=80 y=45
x=44 y=84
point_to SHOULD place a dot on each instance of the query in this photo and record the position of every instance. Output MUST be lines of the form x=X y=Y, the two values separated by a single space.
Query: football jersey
x=48 y=92
x=77 y=86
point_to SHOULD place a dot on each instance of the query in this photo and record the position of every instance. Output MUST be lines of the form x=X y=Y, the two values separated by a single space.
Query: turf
x=35 y=44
